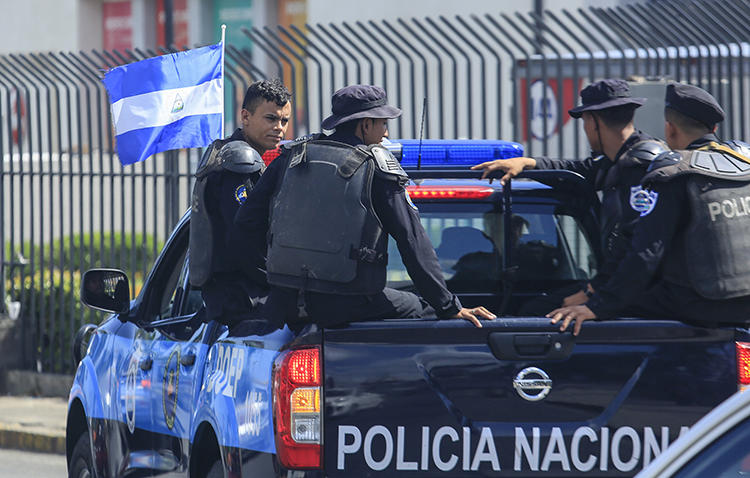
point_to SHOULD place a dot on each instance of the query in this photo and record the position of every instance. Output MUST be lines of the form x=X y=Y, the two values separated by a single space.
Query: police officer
x=231 y=277
x=690 y=255
x=619 y=160
x=333 y=201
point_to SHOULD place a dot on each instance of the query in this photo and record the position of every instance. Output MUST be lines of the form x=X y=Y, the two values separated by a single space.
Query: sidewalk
x=33 y=424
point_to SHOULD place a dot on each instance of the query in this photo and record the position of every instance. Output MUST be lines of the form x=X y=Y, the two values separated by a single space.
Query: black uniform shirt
x=399 y=220
x=615 y=182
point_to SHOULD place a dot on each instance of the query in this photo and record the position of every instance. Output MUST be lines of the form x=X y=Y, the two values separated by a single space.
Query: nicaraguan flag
x=167 y=102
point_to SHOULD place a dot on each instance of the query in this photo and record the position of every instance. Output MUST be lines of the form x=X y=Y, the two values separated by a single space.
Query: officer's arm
x=401 y=221
x=586 y=168
x=618 y=242
x=251 y=220
x=652 y=234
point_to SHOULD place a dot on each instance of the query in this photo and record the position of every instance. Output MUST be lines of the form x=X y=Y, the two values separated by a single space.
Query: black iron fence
x=67 y=204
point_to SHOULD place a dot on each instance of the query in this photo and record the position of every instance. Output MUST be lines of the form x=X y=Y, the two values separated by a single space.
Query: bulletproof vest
x=221 y=157
x=324 y=234
x=717 y=240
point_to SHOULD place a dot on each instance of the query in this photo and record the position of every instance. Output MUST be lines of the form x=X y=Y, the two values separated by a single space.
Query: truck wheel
x=81 y=464
x=216 y=470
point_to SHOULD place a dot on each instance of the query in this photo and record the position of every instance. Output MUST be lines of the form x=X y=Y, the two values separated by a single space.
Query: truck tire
x=216 y=470
x=81 y=464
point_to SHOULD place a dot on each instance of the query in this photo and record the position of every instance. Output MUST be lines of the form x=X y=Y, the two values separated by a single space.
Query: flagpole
x=223 y=46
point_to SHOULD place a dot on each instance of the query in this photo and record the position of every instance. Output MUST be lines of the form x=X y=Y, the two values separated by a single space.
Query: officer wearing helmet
x=233 y=283
x=620 y=156
x=326 y=206
x=690 y=255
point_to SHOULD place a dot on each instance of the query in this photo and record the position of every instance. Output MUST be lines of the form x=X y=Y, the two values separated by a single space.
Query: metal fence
x=67 y=204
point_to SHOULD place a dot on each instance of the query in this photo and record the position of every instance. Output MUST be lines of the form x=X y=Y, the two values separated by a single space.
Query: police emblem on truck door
x=130 y=392
x=170 y=386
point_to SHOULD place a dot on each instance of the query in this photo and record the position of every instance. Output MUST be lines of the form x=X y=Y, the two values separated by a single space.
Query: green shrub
x=52 y=311
x=50 y=298
x=86 y=251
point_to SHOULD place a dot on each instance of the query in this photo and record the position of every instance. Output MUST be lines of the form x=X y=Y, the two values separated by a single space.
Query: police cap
x=693 y=102
x=359 y=101
x=605 y=94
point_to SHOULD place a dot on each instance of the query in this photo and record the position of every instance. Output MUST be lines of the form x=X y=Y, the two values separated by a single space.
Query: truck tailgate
x=515 y=398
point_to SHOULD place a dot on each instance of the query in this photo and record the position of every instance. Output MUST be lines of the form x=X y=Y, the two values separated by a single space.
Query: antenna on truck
x=421 y=131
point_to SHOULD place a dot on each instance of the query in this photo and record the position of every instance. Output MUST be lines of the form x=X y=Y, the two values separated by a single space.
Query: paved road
x=23 y=464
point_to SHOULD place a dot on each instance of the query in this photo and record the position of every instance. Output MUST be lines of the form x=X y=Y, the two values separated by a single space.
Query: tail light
x=743 y=364
x=296 y=408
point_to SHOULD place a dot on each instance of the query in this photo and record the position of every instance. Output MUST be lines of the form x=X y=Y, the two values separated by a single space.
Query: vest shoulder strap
x=387 y=166
x=209 y=160
x=301 y=140
x=713 y=160
x=720 y=160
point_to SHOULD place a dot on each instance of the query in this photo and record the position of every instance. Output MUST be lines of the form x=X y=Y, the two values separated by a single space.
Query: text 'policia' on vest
x=222 y=157
x=331 y=241
x=718 y=235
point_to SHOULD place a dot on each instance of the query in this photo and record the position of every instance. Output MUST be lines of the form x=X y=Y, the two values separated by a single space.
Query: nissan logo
x=532 y=384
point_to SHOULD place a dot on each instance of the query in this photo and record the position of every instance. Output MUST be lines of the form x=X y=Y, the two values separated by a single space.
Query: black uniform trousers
x=330 y=310
x=667 y=300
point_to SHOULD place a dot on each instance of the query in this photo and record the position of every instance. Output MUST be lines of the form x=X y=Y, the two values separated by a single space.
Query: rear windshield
x=549 y=247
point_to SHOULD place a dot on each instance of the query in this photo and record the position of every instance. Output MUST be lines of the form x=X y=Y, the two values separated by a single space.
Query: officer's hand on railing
x=577 y=313
x=511 y=166
x=473 y=315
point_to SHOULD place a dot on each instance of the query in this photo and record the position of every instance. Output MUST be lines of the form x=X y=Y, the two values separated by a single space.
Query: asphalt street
x=24 y=464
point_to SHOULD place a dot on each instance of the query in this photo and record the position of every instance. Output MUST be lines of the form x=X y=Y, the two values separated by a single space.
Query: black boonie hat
x=605 y=94
x=694 y=102
x=359 y=101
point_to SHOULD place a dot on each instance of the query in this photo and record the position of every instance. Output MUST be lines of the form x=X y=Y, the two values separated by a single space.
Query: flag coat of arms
x=167 y=102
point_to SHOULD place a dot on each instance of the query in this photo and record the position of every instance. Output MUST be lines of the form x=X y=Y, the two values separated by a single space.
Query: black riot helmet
x=235 y=156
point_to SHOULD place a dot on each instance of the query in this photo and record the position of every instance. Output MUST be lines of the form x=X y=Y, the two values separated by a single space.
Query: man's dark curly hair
x=266 y=90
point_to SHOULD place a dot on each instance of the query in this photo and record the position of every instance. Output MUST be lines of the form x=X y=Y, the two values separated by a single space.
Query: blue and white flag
x=167 y=102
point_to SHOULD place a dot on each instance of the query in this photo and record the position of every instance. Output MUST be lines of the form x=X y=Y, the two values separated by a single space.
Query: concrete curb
x=33 y=423
x=31 y=441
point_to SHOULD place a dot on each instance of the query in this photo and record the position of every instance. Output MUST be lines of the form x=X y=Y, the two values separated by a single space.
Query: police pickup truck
x=159 y=393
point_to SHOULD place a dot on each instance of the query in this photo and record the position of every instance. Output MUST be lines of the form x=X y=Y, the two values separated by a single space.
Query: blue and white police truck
x=160 y=393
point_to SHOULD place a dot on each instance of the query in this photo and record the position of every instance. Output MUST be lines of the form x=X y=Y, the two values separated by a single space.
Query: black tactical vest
x=324 y=234
x=221 y=157
x=717 y=239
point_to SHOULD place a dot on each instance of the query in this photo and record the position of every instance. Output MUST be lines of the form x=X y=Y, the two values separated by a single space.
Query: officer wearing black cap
x=326 y=206
x=230 y=275
x=619 y=160
x=690 y=255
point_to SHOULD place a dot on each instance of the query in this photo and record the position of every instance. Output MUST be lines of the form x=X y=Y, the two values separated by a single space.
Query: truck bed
x=434 y=397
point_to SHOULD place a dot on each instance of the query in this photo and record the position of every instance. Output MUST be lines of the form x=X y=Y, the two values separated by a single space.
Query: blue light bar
x=441 y=153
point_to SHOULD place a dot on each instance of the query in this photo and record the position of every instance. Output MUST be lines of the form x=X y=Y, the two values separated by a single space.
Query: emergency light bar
x=441 y=153
x=449 y=192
